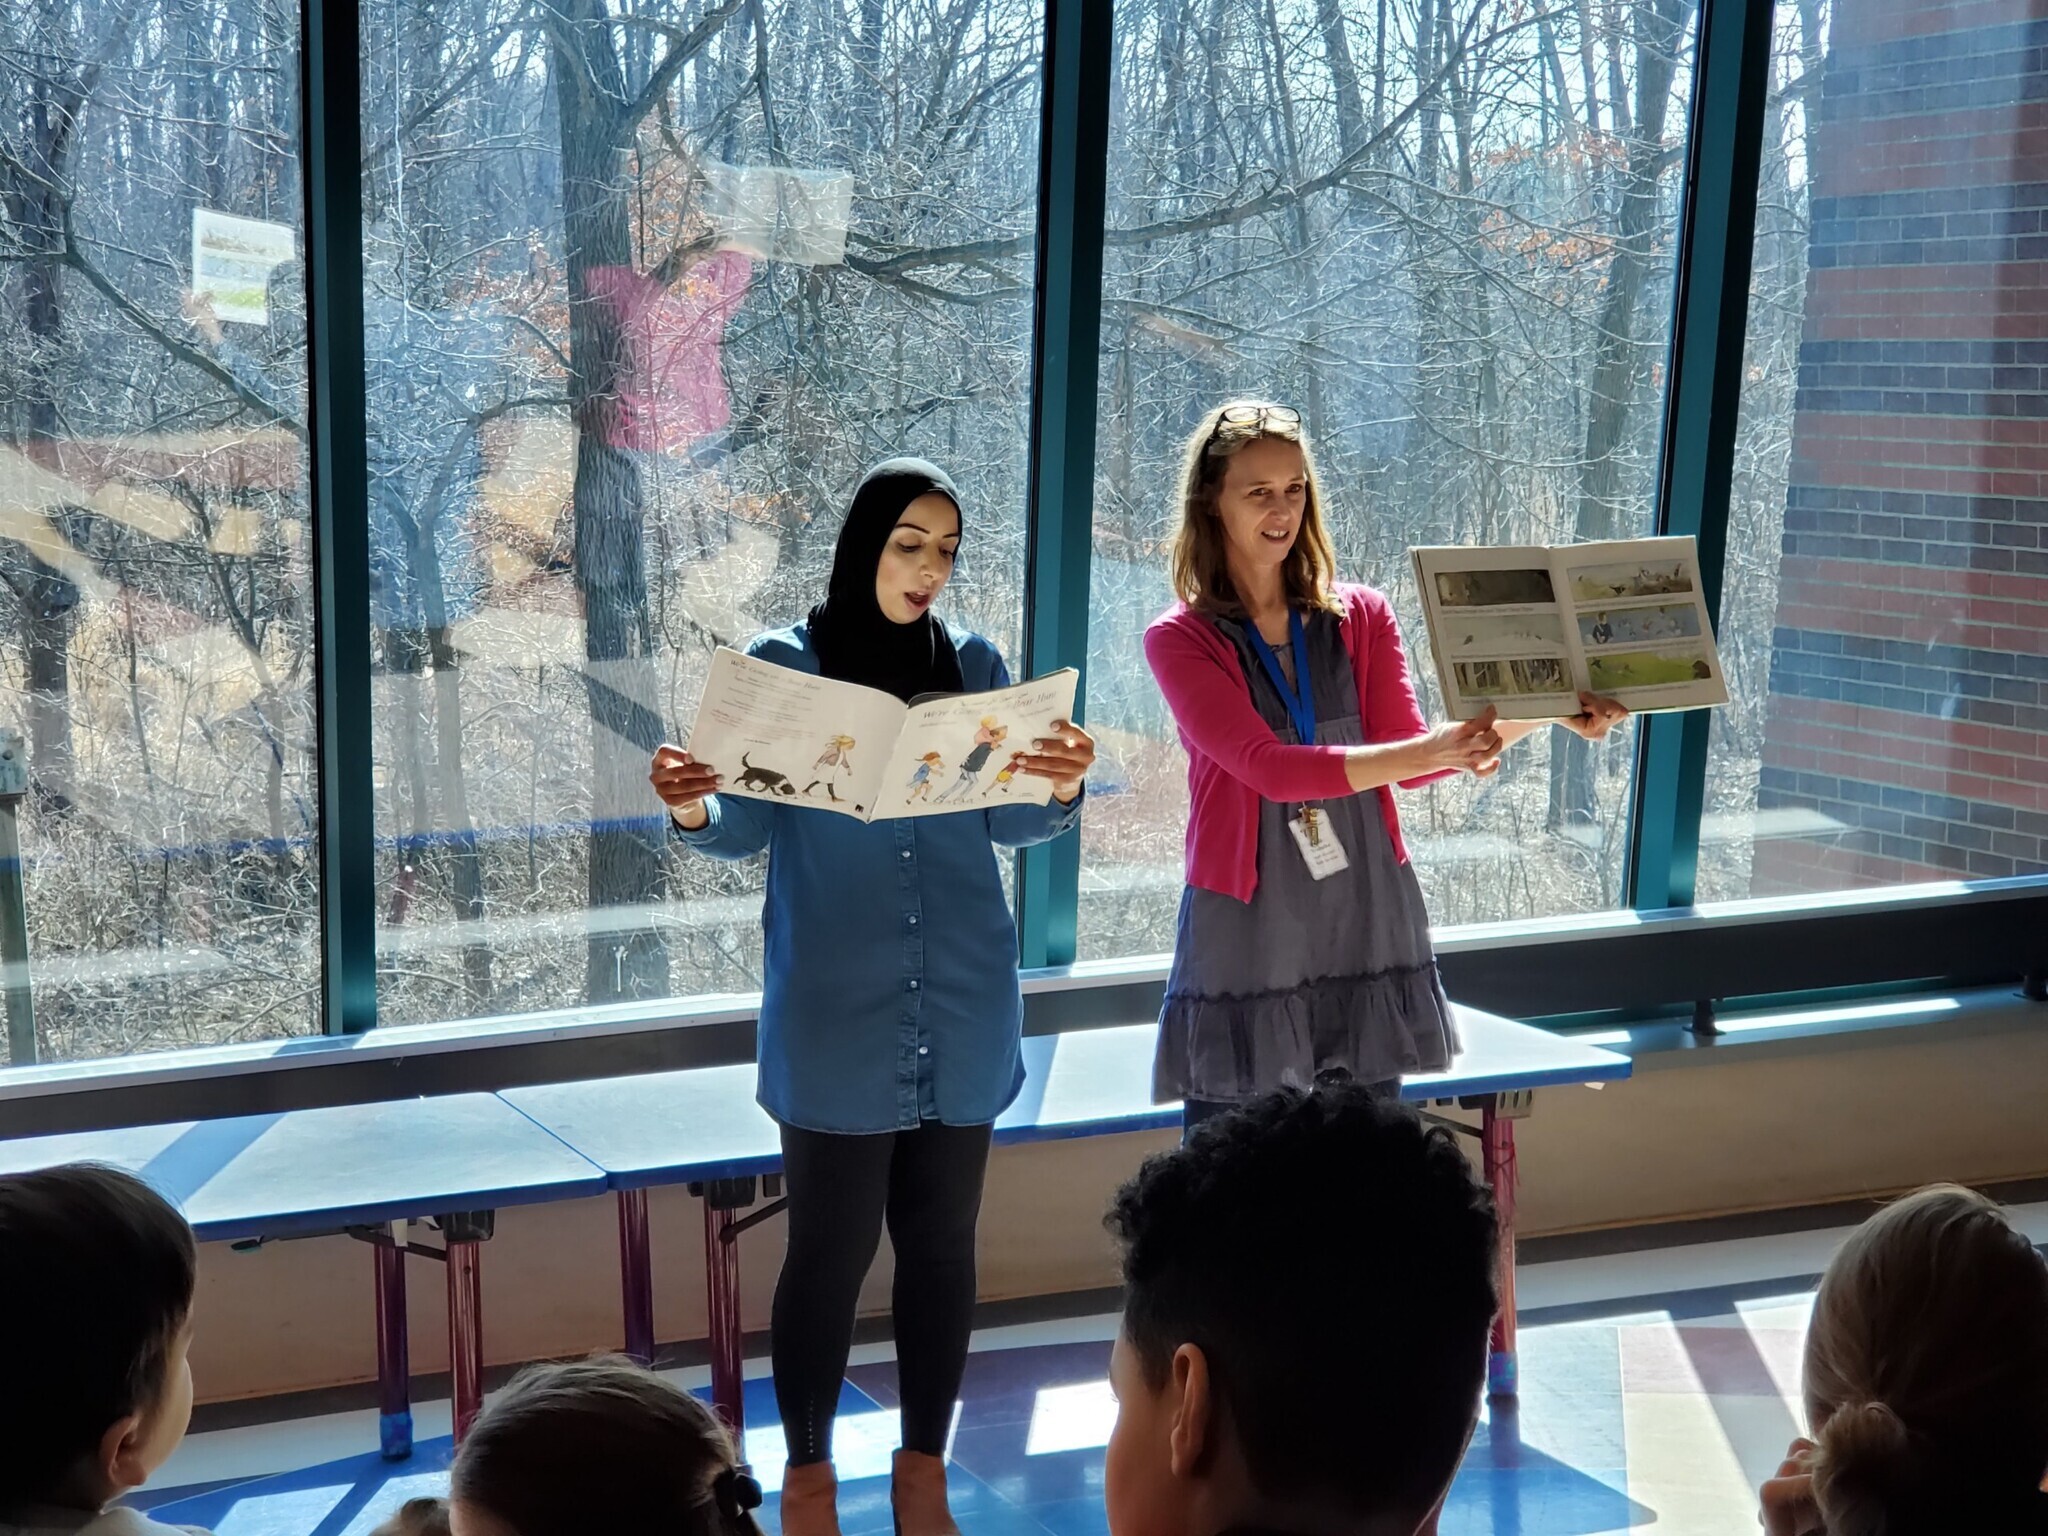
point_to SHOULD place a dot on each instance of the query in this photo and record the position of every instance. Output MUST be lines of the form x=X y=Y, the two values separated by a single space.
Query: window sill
x=1771 y=1033
x=1621 y=962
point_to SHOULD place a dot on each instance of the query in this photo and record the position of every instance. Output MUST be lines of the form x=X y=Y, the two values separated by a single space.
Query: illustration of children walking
x=1009 y=771
x=834 y=764
x=921 y=779
x=986 y=739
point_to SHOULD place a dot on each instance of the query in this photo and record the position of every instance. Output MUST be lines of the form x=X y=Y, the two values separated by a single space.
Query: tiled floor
x=1636 y=1422
x=1659 y=1416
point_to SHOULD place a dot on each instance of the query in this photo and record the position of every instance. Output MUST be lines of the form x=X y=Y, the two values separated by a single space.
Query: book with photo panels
x=1526 y=629
x=793 y=738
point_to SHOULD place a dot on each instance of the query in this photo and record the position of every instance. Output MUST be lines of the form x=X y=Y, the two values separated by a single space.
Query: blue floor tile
x=342 y=1498
x=1074 y=1517
x=1002 y=1385
x=1554 y=1466
x=997 y=1457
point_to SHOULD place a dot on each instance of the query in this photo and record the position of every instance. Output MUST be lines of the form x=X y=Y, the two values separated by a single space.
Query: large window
x=1445 y=234
x=648 y=283
x=1886 y=611
x=644 y=294
x=155 y=623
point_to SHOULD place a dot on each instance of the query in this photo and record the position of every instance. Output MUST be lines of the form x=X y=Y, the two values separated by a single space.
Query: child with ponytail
x=1926 y=1380
x=600 y=1448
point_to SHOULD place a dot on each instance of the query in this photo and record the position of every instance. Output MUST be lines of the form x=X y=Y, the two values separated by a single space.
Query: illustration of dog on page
x=812 y=742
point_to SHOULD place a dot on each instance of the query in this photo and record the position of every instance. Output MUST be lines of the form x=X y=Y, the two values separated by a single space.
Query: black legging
x=927 y=1183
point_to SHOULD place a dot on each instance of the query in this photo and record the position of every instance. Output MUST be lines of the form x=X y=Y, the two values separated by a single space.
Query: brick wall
x=1909 y=665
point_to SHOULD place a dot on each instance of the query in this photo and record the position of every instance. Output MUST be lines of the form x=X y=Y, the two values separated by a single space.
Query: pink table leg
x=394 y=1363
x=636 y=1275
x=465 y=1332
x=722 y=1290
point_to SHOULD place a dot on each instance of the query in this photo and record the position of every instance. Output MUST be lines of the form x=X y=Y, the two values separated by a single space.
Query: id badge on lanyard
x=1320 y=850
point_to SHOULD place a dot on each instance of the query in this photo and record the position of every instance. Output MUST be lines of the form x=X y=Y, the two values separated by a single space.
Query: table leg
x=1497 y=1152
x=465 y=1332
x=394 y=1362
x=636 y=1275
x=727 y=1342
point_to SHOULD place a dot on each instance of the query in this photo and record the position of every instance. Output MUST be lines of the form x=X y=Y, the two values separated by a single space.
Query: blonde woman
x=1303 y=950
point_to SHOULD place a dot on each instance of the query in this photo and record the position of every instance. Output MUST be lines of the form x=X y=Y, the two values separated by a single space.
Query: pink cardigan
x=1235 y=760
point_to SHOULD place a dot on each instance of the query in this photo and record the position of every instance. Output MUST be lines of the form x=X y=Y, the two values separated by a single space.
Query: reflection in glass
x=155 y=624
x=653 y=289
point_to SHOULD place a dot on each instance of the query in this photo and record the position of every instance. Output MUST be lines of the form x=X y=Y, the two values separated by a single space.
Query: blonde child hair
x=1926 y=1372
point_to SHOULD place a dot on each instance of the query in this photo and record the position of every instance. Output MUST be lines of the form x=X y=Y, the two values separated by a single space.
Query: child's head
x=1309 y=1284
x=418 y=1517
x=107 y=1268
x=599 y=1446
x=1927 y=1365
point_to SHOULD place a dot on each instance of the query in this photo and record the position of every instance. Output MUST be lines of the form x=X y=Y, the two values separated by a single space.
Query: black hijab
x=854 y=640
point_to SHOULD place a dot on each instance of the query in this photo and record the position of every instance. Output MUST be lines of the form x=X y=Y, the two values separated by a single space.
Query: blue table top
x=316 y=1170
x=673 y=1127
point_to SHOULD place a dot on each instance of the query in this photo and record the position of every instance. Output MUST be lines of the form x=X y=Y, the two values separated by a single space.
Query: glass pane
x=1445 y=234
x=1886 y=612
x=154 y=553
x=646 y=292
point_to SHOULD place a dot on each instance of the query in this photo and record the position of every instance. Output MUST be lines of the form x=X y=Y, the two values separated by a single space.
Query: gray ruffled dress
x=1311 y=978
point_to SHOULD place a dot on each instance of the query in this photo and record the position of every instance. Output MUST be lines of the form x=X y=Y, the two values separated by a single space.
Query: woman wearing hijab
x=886 y=1052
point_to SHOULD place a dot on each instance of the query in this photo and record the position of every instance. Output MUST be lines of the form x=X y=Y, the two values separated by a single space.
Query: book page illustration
x=1526 y=629
x=966 y=752
x=788 y=737
x=795 y=739
x=1499 y=631
x=1641 y=622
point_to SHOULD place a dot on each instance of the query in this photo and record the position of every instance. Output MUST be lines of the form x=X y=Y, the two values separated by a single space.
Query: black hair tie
x=737 y=1492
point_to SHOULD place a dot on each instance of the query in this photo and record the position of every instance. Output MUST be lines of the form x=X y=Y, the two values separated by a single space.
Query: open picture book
x=1526 y=629
x=788 y=737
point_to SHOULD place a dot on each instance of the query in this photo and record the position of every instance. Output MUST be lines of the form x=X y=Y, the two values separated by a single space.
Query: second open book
x=794 y=739
x=1526 y=629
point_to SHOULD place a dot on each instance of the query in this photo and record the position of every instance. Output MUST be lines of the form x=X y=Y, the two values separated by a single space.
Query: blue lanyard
x=1301 y=704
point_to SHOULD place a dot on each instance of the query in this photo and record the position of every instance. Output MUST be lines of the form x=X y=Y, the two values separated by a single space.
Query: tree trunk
x=867 y=85
x=1429 y=470
x=626 y=831
x=1589 y=73
x=48 y=603
x=466 y=871
x=1352 y=130
x=1488 y=428
x=1619 y=356
x=49 y=599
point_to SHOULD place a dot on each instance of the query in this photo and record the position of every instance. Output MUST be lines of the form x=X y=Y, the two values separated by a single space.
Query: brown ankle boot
x=810 y=1500
x=918 y=1495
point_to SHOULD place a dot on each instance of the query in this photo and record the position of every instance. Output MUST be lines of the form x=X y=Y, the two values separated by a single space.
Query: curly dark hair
x=1335 y=1261
x=104 y=1268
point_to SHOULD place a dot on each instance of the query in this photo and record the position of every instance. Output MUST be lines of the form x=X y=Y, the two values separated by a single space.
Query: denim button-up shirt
x=891 y=994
